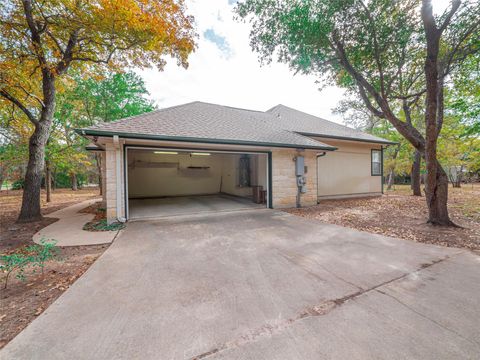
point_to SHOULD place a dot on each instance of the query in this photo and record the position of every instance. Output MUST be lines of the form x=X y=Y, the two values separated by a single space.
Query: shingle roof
x=203 y=122
x=303 y=123
x=207 y=122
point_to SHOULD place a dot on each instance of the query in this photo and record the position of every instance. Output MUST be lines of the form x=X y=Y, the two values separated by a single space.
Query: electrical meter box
x=300 y=166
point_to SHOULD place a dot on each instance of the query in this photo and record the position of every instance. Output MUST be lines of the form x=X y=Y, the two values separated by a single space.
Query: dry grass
x=401 y=215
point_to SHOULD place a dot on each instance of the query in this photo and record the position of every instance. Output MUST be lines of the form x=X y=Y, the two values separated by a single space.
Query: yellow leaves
x=113 y=33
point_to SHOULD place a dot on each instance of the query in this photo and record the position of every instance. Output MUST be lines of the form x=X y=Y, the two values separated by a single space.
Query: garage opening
x=167 y=182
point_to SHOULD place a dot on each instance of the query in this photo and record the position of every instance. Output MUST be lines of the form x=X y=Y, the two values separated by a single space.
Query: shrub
x=102 y=225
x=44 y=252
x=33 y=255
x=14 y=261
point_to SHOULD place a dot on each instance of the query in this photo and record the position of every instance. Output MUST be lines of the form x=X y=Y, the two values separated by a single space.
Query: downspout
x=318 y=156
x=118 y=177
x=381 y=159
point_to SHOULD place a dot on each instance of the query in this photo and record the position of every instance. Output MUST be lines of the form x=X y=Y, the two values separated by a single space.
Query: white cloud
x=236 y=79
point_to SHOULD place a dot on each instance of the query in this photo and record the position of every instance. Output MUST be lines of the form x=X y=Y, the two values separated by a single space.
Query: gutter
x=348 y=138
x=86 y=132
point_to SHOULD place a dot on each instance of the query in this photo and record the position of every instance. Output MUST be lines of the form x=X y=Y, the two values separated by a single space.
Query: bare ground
x=402 y=215
x=22 y=302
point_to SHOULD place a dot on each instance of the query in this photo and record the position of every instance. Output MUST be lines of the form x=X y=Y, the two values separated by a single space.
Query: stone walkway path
x=67 y=231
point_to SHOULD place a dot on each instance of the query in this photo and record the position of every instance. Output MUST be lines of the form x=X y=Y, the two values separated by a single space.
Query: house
x=200 y=156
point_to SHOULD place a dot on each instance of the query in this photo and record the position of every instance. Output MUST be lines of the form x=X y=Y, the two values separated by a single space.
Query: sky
x=224 y=70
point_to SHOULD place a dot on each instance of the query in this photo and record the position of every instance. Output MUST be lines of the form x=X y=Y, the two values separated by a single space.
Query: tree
x=87 y=102
x=398 y=159
x=394 y=54
x=41 y=41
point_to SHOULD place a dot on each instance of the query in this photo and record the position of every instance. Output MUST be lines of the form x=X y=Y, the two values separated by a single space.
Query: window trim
x=371 y=162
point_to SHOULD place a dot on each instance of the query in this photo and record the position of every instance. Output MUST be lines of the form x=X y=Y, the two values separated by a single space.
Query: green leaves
x=30 y=256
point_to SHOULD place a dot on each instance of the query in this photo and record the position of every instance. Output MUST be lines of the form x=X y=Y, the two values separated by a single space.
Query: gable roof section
x=306 y=124
x=209 y=123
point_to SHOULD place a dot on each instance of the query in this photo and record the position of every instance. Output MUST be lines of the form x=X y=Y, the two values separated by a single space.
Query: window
x=376 y=162
x=244 y=171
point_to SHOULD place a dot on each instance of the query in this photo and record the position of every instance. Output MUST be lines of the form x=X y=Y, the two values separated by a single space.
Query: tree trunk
x=436 y=181
x=48 y=180
x=390 y=180
x=415 y=174
x=54 y=180
x=437 y=197
x=98 y=158
x=456 y=176
x=73 y=178
x=2 y=178
x=30 y=210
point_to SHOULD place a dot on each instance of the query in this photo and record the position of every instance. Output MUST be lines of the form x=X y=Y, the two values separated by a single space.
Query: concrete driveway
x=258 y=285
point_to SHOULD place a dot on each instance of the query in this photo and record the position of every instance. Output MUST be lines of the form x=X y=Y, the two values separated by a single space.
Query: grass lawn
x=22 y=302
x=399 y=214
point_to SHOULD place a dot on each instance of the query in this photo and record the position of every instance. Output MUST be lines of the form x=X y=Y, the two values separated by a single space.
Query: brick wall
x=284 y=182
x=111 y=182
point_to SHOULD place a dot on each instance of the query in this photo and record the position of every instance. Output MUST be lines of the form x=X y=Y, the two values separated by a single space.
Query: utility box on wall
x=300 y=166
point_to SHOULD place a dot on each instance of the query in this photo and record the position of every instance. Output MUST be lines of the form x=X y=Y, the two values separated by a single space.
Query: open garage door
x=167 y=182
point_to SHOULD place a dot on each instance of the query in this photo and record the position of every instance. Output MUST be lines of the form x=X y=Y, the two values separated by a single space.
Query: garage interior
x=169 y=182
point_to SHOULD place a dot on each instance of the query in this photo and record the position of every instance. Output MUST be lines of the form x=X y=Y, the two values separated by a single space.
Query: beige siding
x=284 y=182
x=347 y=171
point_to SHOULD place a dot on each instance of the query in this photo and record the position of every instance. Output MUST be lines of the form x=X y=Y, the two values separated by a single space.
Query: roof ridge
x=230 y=107
x=318 y=117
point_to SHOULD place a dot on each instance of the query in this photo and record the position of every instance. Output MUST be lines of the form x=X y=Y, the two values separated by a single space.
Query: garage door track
x=262 y=284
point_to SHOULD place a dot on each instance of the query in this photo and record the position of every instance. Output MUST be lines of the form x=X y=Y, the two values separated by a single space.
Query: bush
x=18 y=184
x=102 y=225
x=30 y=256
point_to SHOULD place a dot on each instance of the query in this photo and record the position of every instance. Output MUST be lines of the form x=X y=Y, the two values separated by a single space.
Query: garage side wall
x=284 y=182
x=111 y=189
x=347 y=172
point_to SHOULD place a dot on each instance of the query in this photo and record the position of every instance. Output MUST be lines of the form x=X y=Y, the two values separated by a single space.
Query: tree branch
x=19 y=104
x=453 y=10
x=67 y=58
x=34 y=31
x=375 y=47
x=407 y=130
x=368 y=103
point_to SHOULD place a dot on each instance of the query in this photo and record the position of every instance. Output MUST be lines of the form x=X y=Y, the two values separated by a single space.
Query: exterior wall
x=347 y=171
x=111 y=182
x=284 y=181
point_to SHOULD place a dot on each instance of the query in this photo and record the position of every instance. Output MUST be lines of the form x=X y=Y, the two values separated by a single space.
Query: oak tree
x=41 y=41
x=395 y=54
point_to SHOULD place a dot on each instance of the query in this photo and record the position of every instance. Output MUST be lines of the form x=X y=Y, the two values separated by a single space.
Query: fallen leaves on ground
x=399 y=214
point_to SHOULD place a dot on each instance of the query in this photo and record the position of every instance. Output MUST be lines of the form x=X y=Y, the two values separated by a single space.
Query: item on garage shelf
x=257 y=190
x=263 y=197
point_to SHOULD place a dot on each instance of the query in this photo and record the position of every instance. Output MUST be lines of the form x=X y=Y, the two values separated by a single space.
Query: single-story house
x=200 y=156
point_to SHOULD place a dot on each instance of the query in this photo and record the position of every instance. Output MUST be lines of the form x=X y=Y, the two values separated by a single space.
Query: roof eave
x=380 y=141
x=89 y=132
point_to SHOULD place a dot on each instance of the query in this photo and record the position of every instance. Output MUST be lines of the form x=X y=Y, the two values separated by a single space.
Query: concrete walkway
x=262 y=284
x=68 y=230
